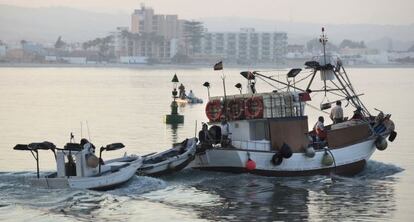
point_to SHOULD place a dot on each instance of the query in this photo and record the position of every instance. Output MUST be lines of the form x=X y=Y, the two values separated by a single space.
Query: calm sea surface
x=128 y=105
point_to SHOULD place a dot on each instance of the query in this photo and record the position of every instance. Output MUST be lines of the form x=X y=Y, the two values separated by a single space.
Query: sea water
x=128 y=105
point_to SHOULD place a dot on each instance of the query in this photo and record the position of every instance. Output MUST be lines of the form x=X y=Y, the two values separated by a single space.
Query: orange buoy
x=236 y=109
x=254 y=107
x=250 y=165
x=213 y=110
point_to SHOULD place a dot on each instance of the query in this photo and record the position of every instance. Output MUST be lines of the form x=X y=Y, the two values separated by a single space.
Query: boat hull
x=166 y=168
x=171 y=164
x=348 y=160
x=106 y=181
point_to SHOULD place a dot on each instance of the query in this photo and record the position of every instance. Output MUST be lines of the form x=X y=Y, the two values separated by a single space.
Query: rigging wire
x=269 y=83
x=300 y=80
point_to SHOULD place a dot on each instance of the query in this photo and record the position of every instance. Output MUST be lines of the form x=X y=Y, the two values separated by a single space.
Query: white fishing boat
x=269 y=133
x=169 y=161
x=86 y=171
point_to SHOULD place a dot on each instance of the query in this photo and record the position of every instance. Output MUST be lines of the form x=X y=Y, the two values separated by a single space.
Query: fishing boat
x=169 y=161
x=267 y=133
x=86 y=171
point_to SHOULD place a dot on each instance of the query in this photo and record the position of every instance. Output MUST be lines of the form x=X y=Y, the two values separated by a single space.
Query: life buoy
x=236 y=108
x=254 y=107
x=213 y=110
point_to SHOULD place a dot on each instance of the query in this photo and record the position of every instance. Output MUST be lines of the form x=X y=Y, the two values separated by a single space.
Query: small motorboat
x=86 y=171
x=189 y=100
x=169 y=161
x=194 y=100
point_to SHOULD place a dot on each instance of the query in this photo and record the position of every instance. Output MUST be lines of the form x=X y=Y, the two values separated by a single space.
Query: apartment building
x=245 y=46
x=144 y=20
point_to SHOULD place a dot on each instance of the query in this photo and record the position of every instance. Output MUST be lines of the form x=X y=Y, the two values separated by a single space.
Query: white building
x=246 y=46
x=3 y=50
x=119 y=42
x=144 y=20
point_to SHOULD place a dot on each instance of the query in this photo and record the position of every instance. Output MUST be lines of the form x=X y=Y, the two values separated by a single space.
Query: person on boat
x=225 y=132
x=181 y=89
x=205 y=138
x=358 y=114
x=191 y=94
x=253 y=87
x=382 y=123
x=87 y=145
x=337 y=113
x=319 y=129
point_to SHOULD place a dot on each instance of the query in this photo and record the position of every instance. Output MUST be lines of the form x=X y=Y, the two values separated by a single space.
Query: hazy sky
x=318 y=11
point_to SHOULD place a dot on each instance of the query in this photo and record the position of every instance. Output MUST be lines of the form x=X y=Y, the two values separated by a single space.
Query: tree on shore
x=346 y=43
x=103 y=46
x=60 y=43
x=193 y=33
x=315 y=46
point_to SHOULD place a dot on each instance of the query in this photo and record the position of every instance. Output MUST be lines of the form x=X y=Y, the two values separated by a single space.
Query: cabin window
x=259 y=130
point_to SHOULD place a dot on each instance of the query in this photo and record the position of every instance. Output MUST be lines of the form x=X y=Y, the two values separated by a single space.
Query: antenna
x=72 y=137
x=89 y=134
x=81 y=130
x=195 y=130
x=223 y=77
x=324 y=40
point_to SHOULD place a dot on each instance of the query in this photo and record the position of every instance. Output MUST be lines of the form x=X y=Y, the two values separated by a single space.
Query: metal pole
x=225 y=96
x=310 y=82
x=195 y=130
x=37 y=163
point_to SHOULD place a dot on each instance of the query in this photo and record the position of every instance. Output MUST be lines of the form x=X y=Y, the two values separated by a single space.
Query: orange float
x=254 y=107
x=236 y=108
x=213 y=110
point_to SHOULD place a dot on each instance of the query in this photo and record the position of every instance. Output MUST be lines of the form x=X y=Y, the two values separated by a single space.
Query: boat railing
x=282 y=106
x=262 y=145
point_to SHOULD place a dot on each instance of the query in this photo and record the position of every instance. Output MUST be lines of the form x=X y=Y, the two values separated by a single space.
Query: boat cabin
x=267 y=121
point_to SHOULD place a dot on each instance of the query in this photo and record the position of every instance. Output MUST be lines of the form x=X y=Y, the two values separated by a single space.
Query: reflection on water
x=233 y=197
x=215 y=196
x=174 y=132
x=254 y=199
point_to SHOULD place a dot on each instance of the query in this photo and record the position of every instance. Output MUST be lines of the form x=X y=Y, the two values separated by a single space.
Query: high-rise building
x=144 y=20
x=246 y=46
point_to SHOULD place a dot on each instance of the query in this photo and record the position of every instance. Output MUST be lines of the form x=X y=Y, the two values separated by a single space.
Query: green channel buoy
x=174 y=117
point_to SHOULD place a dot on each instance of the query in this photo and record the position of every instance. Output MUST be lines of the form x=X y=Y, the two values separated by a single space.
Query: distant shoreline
x=183 y=66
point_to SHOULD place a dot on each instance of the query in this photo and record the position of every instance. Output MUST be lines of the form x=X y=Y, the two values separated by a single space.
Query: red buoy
x=250 y=165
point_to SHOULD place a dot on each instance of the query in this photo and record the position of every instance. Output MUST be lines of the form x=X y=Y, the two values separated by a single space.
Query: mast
x=324 y=39
x=328 y=72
